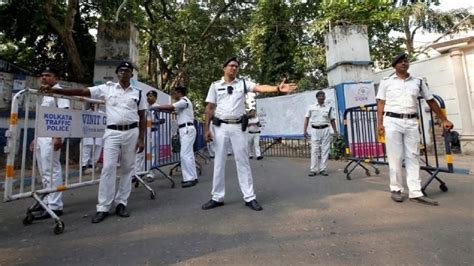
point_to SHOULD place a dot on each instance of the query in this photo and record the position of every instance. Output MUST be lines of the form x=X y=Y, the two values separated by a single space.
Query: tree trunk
x=64 y=31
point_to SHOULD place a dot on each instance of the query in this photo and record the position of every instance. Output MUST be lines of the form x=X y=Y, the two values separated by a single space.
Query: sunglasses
x=230 y=90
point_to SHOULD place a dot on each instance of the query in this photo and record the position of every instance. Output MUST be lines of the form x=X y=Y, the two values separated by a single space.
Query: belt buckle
x=405 y=116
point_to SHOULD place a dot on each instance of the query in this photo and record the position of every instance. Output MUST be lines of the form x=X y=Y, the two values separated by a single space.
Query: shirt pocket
x=413 y=91
x=112 y=99
x=132 y=102
x=394 y=92
x=221 y=93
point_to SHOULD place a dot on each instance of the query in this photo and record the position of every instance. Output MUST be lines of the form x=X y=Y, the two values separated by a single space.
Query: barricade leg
x=434 y=175
x=137 y=178
x=167 y=177
x=39 y=205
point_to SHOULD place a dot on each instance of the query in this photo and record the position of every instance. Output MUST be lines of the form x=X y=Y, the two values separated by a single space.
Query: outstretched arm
x=283 y=87
x=164 y=107
x=67 y=92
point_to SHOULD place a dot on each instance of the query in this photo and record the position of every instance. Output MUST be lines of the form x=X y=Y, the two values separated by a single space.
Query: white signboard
x=54 y=122
x=359 y=94
x=284 y=115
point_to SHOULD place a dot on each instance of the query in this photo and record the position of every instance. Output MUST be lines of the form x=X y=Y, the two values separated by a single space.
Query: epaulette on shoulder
x=109 y=83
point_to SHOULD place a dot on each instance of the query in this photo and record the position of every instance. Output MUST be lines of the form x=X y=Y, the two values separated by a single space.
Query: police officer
x=320 y=116
x=140 y=159
x=49 y=149
x=254 y=135
x=187 y=134
x=226 y=106
x=397 y=121
x=125 y=133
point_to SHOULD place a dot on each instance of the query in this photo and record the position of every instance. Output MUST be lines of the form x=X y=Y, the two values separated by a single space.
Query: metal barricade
x=366 y=150
x=161 y=127
x=25 y=183
x=285 y=146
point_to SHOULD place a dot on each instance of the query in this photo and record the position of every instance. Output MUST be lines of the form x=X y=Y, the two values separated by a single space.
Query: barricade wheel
x=136 y=183
x=59 y=228
x=348 y=177
x=367 y=173
x=29 y=218
x=345 y=171
x=443 y=187
x=152 y=195
x=377 y=171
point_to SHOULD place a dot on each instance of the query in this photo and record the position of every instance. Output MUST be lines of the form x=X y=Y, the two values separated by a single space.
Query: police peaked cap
x=124 y=64
x=51 y=69
x=399 y=57
x=230 y=59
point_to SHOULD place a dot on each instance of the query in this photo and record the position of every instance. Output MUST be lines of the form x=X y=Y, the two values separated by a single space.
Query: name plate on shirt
x=65 y=123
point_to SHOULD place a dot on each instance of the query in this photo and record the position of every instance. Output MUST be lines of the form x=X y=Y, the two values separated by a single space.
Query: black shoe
x=397 y=196
x=186 y=184
x=121 y=211
x=84 y=168
x=312 y=173
x=259 y=157
x=99 y=217
x=45 y=215
x=250 y=157
x=323 y=173
x=212 y=204
x=212 y=157
x=425 y=200
x=254 y=205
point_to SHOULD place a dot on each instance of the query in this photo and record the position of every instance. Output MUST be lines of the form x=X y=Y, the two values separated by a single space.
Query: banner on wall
x=284 y=115
x=358 y=94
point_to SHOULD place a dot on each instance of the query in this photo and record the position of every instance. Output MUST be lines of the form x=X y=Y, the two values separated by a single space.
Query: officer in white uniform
x=124 y=135
x=90 y=149
x=187 y=134
x=140 y=159
x=397 y=122
x=226 y=106
x=48 y=149
x=320 y=116
x=254 y=135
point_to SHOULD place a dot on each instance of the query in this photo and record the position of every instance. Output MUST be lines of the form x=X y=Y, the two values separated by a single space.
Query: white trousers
x=187 y=136
x=211 y=144
x=49 y=168
x=225 y=134
x=115 y=143
x=401 y=140
x=254 y=144
x=320 y=142
x=87 y=157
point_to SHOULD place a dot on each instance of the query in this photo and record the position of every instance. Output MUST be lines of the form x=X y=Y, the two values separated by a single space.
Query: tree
x=35 y=42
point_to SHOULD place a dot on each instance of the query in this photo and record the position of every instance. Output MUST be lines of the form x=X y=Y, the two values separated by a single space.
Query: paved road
x=306 y=220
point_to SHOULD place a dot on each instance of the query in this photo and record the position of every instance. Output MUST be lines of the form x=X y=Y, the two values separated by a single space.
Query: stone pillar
x=115 y=42
x=467 y=134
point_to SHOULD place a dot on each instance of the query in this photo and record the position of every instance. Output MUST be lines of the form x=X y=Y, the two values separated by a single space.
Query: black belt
x=254 y=132
x=396 y=115
x=319 y=127
x=123 y=127
x=231 y=121
x=185 y=124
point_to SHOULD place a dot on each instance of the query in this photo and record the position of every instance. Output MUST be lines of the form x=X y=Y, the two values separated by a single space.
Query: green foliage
x=337 y=149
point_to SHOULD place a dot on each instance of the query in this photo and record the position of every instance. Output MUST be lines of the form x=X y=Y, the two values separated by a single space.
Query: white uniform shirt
x=53 y=102
x=184 y=110
x=121 y=105
x=253 y=128
x=229 y=106
x=320 y=114
x=401 y=95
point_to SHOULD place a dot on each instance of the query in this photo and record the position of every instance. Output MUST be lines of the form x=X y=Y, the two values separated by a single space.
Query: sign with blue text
x=65 y=123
